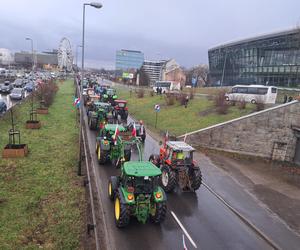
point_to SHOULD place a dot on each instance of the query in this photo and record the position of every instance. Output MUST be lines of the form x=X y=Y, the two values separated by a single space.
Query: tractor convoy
x=139 y=189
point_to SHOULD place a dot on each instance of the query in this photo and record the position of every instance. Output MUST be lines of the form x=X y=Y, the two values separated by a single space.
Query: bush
x=242 y=104
x=151 y=93
x=140 y=93
x=181 y=98
x=46 y=92
x=259 y=106
x=192 y=94
x=221 y=103
x=170 y=99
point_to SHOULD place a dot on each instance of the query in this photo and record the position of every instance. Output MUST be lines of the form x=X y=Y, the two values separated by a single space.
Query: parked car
x=29 y=87
x=18 y=83
x=17 y=94
x=3 y=106
x=6 y=87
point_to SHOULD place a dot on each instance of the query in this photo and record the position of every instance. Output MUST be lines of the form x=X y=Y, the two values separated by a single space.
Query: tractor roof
x=121 y=101
x=112 y=127
x=141 y=169
x=102 y=104
x=180 y=145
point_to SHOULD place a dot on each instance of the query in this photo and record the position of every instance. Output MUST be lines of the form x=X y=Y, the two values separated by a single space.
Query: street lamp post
x=78 y=46
x=97 y=6
x=29 y=39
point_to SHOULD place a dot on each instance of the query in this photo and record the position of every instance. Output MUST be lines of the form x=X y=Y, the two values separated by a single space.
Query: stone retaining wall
x=269 y=133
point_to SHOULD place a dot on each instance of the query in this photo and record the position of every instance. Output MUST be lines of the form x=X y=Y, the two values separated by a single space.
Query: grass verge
x=177 y=119
x=41 y=200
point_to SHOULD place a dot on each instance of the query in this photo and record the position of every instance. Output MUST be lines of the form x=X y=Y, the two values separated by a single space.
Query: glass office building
x=127 y=60
x=272 y=59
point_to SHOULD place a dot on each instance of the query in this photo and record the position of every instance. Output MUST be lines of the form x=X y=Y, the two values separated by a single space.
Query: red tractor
x=120 y=111
x=176 y=162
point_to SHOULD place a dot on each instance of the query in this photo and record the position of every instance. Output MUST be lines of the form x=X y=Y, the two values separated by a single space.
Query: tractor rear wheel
x=101 y=156
x=167 y=179
x=127 y=155
x=122 y=213
x=112 y=187
x=160 y=212
x=196 y=179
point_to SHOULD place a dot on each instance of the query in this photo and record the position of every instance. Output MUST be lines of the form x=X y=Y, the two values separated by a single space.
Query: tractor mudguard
x=123 y=194
x=163 y=197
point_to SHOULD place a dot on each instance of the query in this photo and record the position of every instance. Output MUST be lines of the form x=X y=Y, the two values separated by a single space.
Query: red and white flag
x=116 y=134
x=166 y=137
x=133 y=133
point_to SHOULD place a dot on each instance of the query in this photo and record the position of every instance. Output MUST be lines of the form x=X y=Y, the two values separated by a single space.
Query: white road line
x=183 y=229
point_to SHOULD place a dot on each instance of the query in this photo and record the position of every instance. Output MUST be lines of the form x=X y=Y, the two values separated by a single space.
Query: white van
x=253 y=94
x=166 y=86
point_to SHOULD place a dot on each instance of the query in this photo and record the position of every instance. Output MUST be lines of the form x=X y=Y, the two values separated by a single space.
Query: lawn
x=41 y=200
x=177 y=119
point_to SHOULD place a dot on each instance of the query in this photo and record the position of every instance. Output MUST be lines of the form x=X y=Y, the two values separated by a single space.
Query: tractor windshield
x=121 y=104
x=142 y=185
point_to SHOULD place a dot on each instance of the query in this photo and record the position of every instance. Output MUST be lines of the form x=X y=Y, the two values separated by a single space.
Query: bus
x=253 y=94
x=166 y=86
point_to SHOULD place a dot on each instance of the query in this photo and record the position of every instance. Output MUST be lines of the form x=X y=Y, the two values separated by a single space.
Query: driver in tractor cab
x=177 y=156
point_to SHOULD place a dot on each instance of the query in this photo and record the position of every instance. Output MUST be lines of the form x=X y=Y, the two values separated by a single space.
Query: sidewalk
x=264 y=193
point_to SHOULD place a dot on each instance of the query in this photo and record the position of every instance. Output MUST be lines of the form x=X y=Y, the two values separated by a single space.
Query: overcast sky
x=183 y=30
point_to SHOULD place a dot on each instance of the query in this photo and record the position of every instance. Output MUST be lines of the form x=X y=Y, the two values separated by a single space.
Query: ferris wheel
x=65 y=55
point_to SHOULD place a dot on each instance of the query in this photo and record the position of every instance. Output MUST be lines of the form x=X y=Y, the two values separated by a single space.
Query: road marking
x=183 y=229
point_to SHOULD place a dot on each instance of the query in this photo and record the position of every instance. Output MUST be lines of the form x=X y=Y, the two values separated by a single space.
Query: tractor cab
x=140 y=177
x=120 y=110
x=110 y=96
x=177 y=152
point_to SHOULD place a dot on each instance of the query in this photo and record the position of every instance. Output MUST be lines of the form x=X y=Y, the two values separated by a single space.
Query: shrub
x=242 y=104
x=182 y=99
x=170 y=99
x=192 y=94
x=140 y=93
x=221 y=103
x=151 y=93
x=46 y=92
x=259 y=106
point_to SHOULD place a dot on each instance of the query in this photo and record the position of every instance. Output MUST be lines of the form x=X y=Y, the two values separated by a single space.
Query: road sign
x=157 y=108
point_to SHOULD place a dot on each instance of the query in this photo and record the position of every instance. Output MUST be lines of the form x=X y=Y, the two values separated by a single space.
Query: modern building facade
x=24 y=59
x=127 y=60
x=272 y=59
x=154 y=70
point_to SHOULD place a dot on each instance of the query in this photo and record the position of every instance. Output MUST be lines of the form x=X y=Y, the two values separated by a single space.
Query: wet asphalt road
x=208 y=222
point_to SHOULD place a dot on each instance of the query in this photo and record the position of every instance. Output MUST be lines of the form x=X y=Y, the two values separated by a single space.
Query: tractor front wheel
x=168 y=179
x=101 y=156
x=122 y=213
x=160 y=212
x=196 y=179
x=112 y=187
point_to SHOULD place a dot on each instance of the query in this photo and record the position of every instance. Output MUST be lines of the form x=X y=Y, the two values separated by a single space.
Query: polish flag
x=133 y=133
x=166 y=137
x=183 y=242
x=116 y=134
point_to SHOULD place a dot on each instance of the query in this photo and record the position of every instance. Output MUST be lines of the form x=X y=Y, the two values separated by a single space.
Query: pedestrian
x=285 y=99
x=157 y=90
x=290 y=99
x=186 y=101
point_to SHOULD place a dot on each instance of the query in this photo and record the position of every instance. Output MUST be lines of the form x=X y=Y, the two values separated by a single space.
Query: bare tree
x=200 y=73
x=144 y=78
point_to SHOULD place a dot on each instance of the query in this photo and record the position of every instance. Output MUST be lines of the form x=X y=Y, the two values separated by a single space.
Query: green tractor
x=99 y=114
x=114 y=143
x=110 y=96
x=137 y=193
